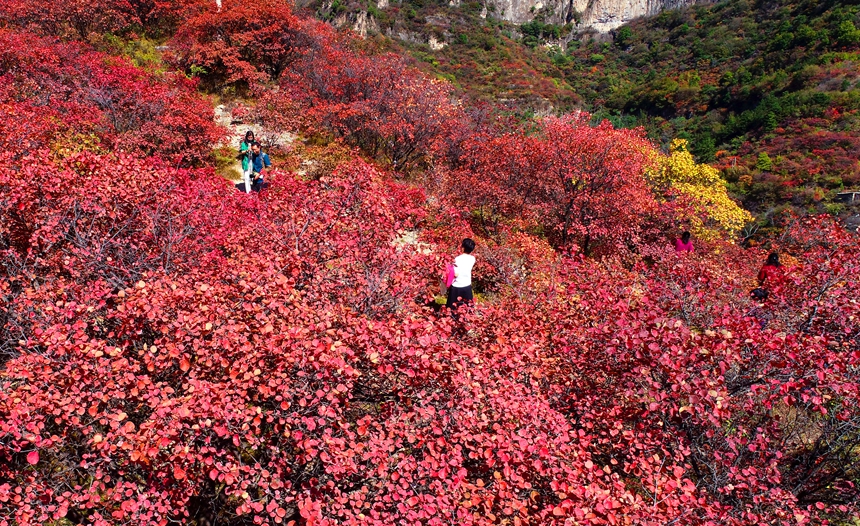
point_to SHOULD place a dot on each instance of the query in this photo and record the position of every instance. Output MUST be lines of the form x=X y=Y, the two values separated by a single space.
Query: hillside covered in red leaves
x=173 y=351
x=765 y=91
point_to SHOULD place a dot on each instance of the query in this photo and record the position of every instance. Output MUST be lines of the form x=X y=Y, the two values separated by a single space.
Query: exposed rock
x=361 y=22
x=606 y=15
x=381 y=4
x=405 y=35
x=364 y=24
x=601 y=15
x=435 y=45
x=438 y=19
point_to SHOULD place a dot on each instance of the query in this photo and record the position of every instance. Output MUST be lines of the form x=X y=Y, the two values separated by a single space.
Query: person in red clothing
x=684 y=244
x=771 y=272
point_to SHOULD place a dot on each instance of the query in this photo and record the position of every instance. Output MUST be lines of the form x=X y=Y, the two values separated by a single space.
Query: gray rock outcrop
x=601 y=15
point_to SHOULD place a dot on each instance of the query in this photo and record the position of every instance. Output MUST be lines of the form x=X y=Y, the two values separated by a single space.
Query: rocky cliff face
x=602 y=15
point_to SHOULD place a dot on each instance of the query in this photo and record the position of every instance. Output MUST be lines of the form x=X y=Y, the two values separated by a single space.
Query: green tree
x=704 y=148
x=770 y=122
x=624 y=36
x=764 y=162
x=847 y=34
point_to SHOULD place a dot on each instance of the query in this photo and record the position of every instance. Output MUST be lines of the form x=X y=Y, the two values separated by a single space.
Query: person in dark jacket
x=258 y=162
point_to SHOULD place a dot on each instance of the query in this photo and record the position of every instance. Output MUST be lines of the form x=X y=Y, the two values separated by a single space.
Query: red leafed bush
x=65 y=88
x=163 y=17
x=73 y=19
x=174 y=352
x=91 y=217
x=582 y=184
x=324 y=253
x=379 y=103
x=83 y=18
x=245 y=42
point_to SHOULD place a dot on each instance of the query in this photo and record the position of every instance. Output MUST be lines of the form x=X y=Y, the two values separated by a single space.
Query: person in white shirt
x=460 y=292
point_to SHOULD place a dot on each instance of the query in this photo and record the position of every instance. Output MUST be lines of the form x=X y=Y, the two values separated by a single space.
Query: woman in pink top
x=684 y=244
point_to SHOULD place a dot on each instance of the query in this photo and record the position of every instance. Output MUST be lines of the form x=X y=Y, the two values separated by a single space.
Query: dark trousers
x=256 y=186
x=458 y=296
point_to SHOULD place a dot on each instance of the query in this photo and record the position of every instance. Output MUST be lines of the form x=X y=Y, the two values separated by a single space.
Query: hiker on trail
x=460 y=291
x=245 y=153
x=771 y=273
x=258 y=161
x=246 y=143
x=683 y=244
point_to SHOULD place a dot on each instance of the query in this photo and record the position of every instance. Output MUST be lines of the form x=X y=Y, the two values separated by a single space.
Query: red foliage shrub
x=82 y=18
x=71 y=19
x=581 y=184
x=276 y=378
x=245 y=42
x=65 y=88
x=378 y=103
x=108 y=218
x=815 y=151
x=163 y=17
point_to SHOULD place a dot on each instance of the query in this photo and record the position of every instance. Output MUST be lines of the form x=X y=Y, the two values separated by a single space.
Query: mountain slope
x=768 y=91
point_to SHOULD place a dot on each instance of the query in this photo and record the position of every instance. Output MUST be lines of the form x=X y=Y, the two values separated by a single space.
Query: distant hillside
x=479 y=53
x=766 y=90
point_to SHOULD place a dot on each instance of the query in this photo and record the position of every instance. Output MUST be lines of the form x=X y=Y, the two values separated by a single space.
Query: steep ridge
x=597 y=15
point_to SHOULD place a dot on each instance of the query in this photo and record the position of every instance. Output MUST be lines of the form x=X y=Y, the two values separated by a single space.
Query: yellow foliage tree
x=700 y=186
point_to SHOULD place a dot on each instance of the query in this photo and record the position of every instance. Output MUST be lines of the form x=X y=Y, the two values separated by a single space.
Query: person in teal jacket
x=245 y=148
x=245 y=153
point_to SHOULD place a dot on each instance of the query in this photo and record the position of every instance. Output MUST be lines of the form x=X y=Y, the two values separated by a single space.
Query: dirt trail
x=236 y=130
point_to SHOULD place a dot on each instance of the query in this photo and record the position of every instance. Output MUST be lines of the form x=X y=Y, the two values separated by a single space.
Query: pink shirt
x=680 y=246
